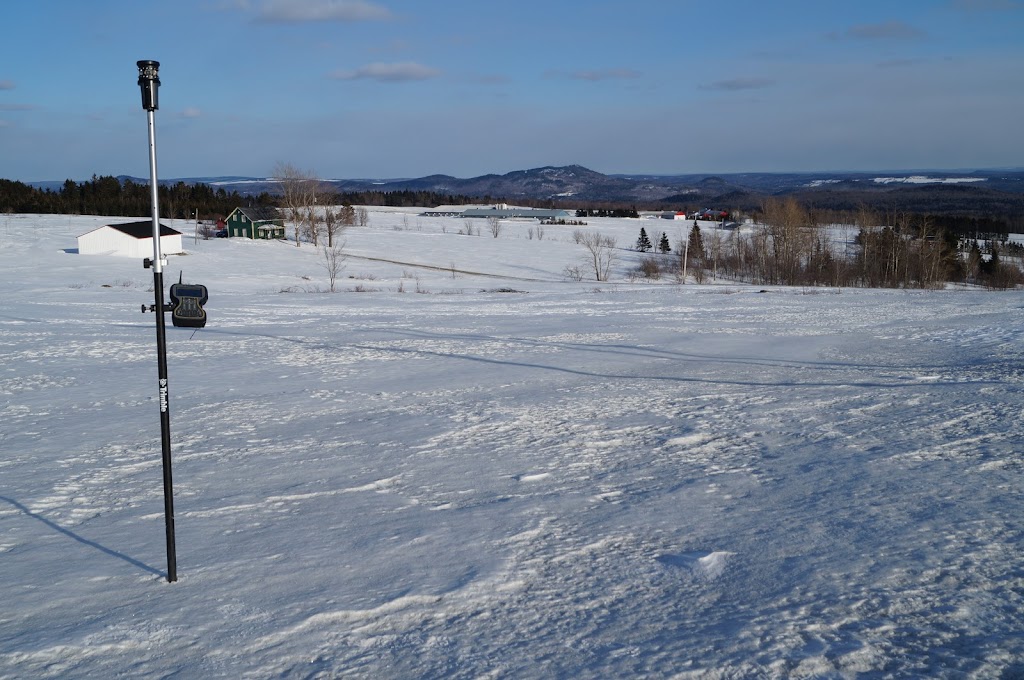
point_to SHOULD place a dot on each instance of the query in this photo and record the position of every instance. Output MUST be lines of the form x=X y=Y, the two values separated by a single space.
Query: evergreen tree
x=347 y=215
x=643 y=244
x=990 y=267
x=974 y=260
x=663 y=244
x=697 y=252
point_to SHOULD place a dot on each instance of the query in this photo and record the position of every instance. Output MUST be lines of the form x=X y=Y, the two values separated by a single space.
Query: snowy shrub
x=649 y=268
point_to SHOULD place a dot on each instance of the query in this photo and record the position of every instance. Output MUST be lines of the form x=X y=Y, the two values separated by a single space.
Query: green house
x=259 y=222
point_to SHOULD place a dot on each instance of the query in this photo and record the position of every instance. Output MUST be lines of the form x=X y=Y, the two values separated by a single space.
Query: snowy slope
x=573 y=480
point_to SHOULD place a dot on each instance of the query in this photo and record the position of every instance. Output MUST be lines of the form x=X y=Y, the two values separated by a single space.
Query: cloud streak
x=738 y=84
x=6 y=85
x=388 y=73
x=305 y=11
x=594 y=75
x=605 y=74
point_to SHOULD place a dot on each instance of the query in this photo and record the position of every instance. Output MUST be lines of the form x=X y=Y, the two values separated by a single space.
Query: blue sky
x=400 y=88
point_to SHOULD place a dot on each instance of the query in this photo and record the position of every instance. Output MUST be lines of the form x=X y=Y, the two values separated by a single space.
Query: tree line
x=107 y=195
x=410 y=198
x=789 y=247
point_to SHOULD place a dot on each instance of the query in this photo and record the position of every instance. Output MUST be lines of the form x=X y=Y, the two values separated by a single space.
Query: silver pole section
x=154 y=197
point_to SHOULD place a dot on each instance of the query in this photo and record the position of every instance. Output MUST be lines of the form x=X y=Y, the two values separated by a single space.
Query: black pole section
x=149 y=82
x=165 y=426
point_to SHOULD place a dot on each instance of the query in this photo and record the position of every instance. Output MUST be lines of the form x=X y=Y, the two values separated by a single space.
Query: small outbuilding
x=259 y=222
x=132 y=239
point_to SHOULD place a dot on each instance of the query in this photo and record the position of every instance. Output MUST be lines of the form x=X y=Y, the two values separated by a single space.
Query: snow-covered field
x=575 y=480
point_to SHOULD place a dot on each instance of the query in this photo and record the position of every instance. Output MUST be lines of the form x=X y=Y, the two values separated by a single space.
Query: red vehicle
x=712 y=215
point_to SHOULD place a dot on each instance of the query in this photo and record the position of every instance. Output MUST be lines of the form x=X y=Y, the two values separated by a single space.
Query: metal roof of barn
x=142 y=230
x=508 y=213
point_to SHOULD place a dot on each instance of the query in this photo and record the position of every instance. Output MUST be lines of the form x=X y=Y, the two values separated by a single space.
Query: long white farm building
x=500 y=211
x=132 y=239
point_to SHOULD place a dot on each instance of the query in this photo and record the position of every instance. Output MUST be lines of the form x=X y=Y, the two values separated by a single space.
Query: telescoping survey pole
x=149 y=82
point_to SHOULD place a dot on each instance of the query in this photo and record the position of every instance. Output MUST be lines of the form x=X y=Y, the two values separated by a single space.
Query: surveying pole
x=149 y=83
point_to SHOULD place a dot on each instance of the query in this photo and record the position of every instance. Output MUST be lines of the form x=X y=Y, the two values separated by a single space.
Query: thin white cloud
x=6 y=85
x=191 y=112
x=388 y=73
x=17 y=107
x=739 y=84
x=301 y=11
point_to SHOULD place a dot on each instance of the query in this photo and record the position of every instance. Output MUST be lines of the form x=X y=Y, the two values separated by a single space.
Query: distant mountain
x=575 y=183
x=572 y=183
x=975 y=192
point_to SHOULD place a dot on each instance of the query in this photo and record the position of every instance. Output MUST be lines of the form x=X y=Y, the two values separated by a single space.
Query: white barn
x=133 y=239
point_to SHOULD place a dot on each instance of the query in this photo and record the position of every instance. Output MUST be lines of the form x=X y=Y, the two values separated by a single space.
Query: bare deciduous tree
x=601 y=252
x=494 y=226
x=362 y=216
x=934 y=267
x=328 y=214
x=573 y=273
x=791 y=238
x=347 y=215
x=298 y=192
x=321 y=198
x=334 y=261
x=313 y=220
x=330 y=223
x=716 y=251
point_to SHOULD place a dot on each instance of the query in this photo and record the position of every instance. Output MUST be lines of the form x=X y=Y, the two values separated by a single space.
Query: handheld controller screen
x=187 y=300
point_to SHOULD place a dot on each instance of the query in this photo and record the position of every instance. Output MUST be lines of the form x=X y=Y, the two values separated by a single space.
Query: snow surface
x=911 y=179
x=924 y=179
x=576 y=480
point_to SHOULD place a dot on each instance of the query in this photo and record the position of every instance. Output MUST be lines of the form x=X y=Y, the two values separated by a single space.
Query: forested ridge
x=125 y=197
x=112 y=196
